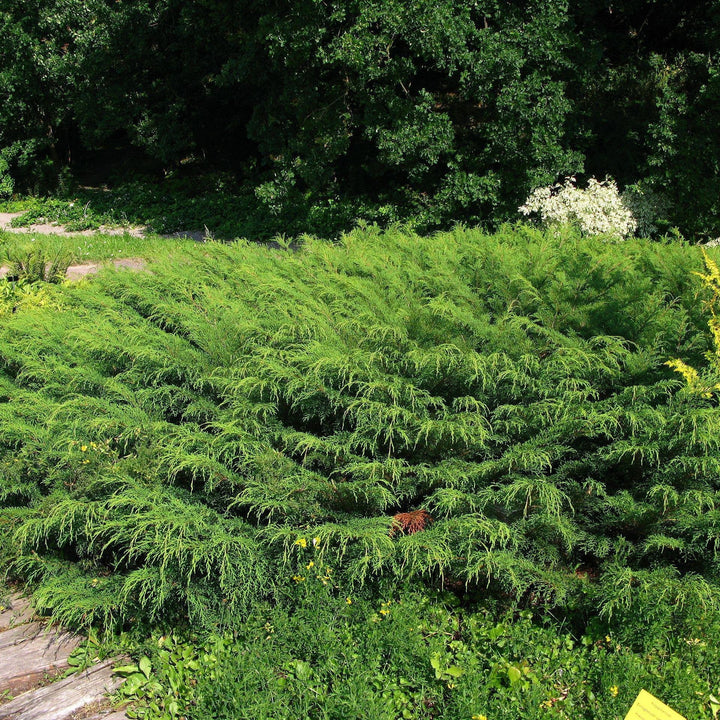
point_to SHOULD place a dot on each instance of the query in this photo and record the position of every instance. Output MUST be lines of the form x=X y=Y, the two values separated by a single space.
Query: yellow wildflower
x=302 y=542
x=83 y=448
x=479 y=717
x=298 y=578
x=310 y=564
x=614 y=690
x=348 y=601
x=316 y=541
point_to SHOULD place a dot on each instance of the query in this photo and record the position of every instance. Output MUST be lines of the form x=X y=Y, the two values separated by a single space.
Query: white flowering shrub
x=597 y=210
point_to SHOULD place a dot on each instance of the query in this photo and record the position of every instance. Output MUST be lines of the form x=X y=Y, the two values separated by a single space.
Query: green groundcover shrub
x=491 y=414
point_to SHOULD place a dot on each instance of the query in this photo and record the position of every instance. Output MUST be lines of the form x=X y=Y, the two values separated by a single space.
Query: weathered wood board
x=19 y=633
x=30 y=653
x=62 y=699
x=18 y=612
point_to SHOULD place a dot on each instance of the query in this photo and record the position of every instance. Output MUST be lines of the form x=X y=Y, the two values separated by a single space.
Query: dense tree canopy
x=441 y=109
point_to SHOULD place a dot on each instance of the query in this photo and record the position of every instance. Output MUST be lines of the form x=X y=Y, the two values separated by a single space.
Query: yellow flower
x=298 y=578
x=83 y=448
x=310 y=564
x=348 y=601
x=302 y=542
x=614 y=690
x=316 y=541
x=479 y=717
x=607 y=638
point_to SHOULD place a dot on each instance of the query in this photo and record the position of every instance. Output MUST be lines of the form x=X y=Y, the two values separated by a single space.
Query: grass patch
x=77 y=249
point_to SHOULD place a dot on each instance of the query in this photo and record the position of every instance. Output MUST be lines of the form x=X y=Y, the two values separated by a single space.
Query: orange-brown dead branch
x=411 y=522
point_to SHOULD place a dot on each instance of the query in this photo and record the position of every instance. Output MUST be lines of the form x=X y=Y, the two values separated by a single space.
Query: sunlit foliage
x=168 y=437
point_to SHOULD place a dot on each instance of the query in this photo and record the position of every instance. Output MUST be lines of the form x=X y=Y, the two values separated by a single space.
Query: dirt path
x=33 y=656
x=56 y=229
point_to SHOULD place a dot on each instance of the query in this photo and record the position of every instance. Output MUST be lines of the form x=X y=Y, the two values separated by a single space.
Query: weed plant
x=406 y=653
x=30 y=261
x=489 y=413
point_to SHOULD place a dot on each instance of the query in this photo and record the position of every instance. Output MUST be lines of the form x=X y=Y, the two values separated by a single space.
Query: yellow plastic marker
x=648 y=707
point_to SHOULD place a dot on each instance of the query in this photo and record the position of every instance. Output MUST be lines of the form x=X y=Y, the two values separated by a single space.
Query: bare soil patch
x=55 y=229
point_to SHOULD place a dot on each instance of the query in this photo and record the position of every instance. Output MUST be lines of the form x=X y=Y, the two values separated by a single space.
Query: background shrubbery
x=599 y=209
x=438 y=111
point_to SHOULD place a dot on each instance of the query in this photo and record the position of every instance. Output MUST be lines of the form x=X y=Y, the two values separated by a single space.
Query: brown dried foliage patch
x=408 y=523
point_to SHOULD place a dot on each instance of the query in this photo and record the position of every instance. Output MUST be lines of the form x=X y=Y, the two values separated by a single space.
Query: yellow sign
x=647 y=707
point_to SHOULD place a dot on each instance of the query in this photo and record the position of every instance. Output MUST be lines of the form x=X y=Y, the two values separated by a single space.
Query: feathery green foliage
x=182 y=440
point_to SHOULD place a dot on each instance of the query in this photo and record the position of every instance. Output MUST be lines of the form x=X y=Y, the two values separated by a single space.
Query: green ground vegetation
x=212 y=203
x=244 y=438
x=35 y=249
x=412 y=654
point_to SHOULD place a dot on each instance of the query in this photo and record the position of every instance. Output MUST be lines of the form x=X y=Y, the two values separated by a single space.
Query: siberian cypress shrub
x=492 y=413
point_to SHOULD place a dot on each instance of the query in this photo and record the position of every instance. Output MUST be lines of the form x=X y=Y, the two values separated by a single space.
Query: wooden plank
x=19 y=634
x=63 y=699
x=30 y=653
x=18 y=612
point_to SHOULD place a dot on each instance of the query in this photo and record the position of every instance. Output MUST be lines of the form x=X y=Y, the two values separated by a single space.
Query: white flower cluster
x=597 y=210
